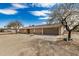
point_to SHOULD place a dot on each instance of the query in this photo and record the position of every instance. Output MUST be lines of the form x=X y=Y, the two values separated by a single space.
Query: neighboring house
x=9 y=30
x=55 y=29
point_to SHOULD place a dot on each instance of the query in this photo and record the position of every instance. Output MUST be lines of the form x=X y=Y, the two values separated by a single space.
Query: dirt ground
x=37 y=45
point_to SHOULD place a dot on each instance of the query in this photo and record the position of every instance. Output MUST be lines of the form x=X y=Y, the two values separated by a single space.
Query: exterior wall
x=61 y=30
x=31 y=31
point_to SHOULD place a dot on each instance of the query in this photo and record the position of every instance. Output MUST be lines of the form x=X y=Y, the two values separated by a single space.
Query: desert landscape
x=37 y=45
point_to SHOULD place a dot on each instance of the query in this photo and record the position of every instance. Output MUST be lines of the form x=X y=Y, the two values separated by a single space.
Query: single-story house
x=55 y=29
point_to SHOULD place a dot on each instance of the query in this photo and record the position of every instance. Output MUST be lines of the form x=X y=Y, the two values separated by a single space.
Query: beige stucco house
x=55 y=29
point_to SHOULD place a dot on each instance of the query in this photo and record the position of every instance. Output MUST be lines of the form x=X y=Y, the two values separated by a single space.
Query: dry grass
x=36 y=45
x=41 y=47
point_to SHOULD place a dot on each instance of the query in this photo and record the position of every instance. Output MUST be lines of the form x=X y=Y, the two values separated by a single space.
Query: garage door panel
x=38 y=31
x=50 y=31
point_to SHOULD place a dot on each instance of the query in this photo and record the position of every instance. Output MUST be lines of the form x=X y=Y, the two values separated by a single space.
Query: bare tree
x=68 y=16
x=14 y=25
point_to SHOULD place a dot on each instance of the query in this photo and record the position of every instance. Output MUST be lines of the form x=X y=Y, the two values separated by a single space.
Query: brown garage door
x=38 y=31
x=50 y=31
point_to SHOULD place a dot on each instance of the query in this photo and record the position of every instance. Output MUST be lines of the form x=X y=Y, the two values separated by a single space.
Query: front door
x=28 y=31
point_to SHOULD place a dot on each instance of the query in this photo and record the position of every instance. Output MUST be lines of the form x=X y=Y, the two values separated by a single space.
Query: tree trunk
x=69 y=36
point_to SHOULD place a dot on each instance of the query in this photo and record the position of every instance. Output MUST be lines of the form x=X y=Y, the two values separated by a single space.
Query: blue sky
x=27 y=13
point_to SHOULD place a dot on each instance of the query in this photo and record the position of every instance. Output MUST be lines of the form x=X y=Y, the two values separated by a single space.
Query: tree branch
x=75 y=27
x=64 y=21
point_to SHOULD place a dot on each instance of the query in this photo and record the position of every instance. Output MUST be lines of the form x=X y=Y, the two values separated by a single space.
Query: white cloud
x=44 y=23
x=8 y=11
x=44 y=18
x=46 y=5
x=19 y=5
x=43 y=14
x=12 y=10
x=40 y=13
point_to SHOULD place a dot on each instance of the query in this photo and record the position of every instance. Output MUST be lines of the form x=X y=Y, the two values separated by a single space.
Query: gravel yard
x=37 y=45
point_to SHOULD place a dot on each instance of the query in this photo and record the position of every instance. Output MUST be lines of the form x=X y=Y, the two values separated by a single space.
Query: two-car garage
x=43 y=30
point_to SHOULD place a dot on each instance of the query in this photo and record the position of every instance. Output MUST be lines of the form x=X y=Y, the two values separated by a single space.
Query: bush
x=65 y=39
